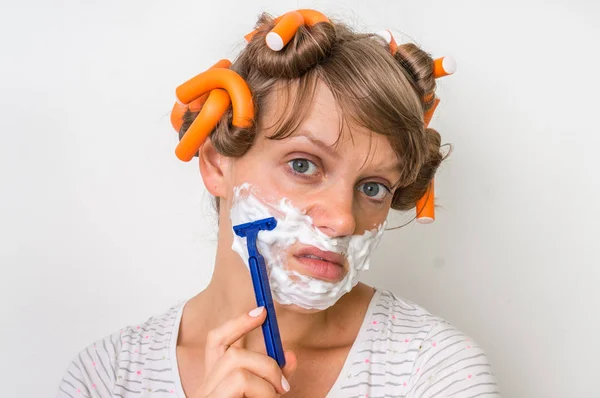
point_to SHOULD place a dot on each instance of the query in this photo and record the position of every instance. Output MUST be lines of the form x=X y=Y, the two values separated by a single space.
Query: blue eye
x=374 y=190
x=303 y=166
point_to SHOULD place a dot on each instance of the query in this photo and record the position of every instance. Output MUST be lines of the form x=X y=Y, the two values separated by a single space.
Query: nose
x=332 y=211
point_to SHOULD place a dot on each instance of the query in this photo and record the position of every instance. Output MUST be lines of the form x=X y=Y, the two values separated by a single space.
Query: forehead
x=318 y=116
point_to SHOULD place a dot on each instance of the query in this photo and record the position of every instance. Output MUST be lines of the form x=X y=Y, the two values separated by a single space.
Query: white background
x=101 y=226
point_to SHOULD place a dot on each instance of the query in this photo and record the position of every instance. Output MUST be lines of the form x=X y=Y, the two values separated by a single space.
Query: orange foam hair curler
x=426 y=205
x=216 y=105
x=389 y=39
x=444 y=66
x=211 y=92
x=429 y=114
x=234 y=84
x=284 y=30
x=179 y=109
x=287 y=25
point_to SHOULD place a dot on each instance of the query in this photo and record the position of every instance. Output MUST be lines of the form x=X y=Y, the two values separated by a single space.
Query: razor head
x=266 y=224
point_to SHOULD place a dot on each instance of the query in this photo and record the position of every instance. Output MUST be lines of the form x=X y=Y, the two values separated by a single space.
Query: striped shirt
x=401 y=351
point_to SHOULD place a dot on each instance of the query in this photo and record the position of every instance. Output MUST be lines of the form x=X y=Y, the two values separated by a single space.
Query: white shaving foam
x=288 y=286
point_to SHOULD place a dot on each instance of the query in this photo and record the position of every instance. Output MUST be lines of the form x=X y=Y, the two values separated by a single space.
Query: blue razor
x=262 y=289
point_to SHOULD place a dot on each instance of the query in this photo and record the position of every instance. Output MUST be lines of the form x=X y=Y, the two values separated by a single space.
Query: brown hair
x=375 y=89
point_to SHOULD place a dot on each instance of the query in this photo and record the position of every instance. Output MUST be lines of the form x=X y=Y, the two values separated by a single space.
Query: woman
x=337 y=138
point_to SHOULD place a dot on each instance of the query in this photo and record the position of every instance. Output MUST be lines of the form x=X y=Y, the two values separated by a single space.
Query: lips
x=313 y=252
x=328 y=266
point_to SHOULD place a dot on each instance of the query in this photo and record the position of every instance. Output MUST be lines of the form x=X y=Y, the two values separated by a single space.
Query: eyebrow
x=330 y=149
x=390 y=169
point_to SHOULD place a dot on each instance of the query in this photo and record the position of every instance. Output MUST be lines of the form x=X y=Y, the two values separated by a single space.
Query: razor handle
x=262 y=292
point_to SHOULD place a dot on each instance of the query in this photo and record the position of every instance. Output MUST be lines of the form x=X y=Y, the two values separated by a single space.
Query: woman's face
x=343 y=182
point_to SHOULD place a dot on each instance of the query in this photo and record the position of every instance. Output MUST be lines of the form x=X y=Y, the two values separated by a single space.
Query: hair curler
x=286 y=27
x=389 y=39
x=211 y=92
x=179 y=109
x=444 y=66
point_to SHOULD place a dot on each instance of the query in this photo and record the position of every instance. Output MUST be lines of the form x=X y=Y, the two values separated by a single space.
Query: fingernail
x=256 y=312
x=285 y=384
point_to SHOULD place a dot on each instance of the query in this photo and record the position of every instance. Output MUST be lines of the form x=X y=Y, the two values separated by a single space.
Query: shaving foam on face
x=289 y=286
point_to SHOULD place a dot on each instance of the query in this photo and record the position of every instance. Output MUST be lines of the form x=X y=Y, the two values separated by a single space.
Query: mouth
x=319 y=264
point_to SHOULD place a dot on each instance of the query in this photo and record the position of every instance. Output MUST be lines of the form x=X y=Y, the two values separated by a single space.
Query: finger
x=256 y=363
x=291 y=363
x=242 y=383
x=219 y=339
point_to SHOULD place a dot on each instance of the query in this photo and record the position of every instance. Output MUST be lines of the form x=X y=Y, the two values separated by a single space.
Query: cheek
x=368 y=224
x=369 y=217
x=269 y=175
x=248 y=170
x=263 y=177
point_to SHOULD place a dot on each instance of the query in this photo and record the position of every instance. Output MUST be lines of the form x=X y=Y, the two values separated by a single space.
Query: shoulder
x=125 y=361
x=398 y=323
x=404 y=349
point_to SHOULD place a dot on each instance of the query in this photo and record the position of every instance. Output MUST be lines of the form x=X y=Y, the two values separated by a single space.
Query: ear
x=213 y=168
